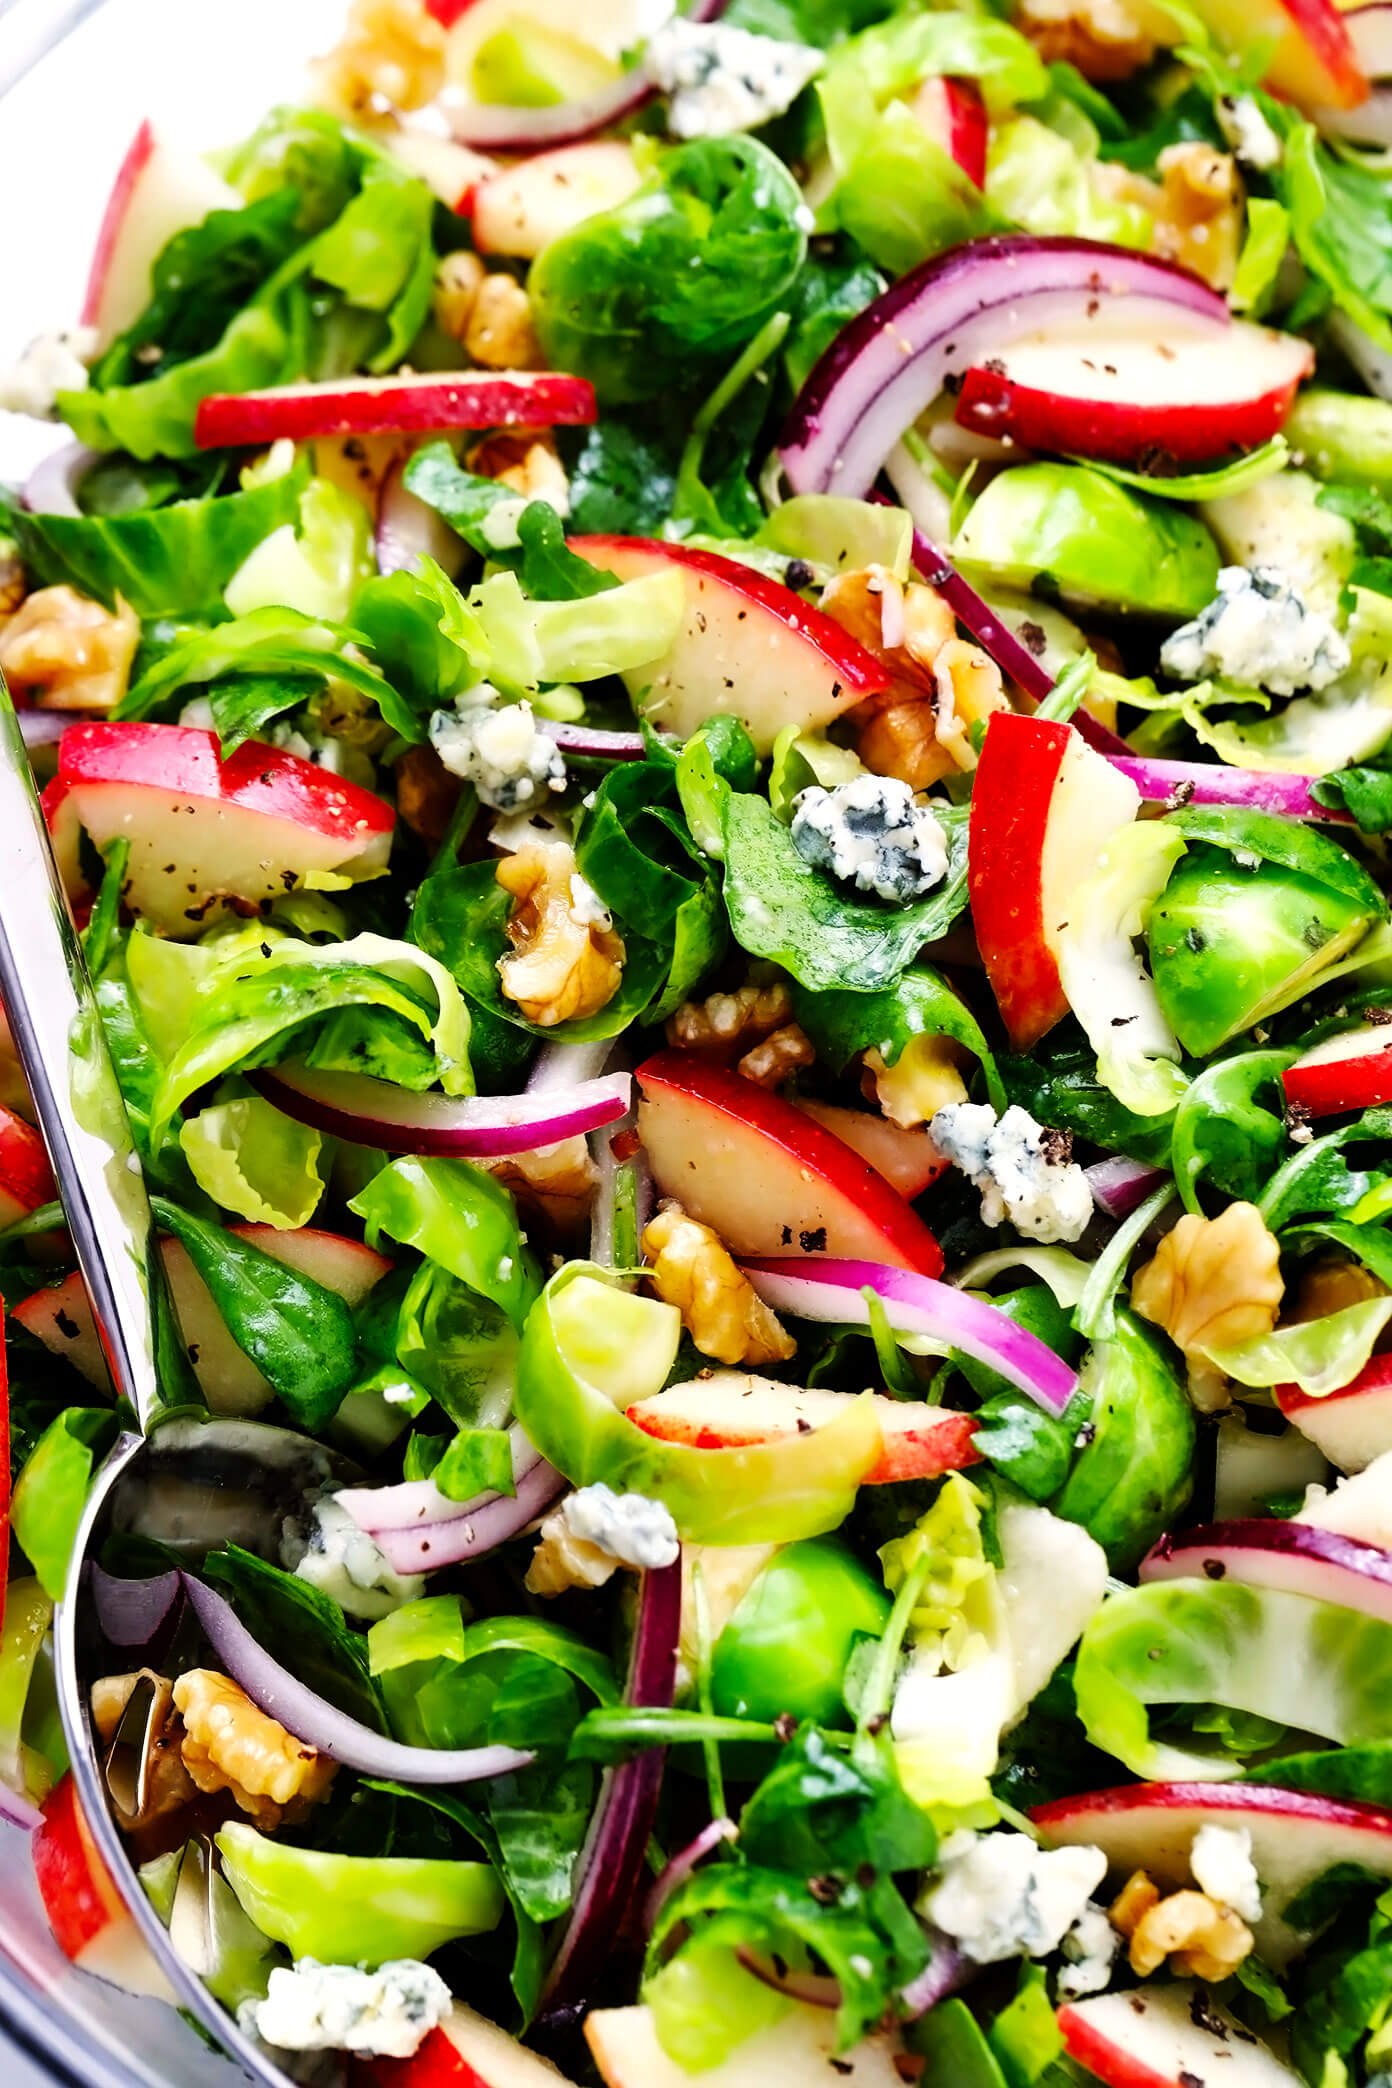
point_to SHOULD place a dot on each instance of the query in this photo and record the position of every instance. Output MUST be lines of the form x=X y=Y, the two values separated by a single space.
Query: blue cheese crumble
x=1025 y=1172
x=628 y=1526
x=54 y=363
x=330 y=1552
x=1259 y=632
x=1251 y=138
x=871 y=833
x=722 y=80
x=387 y=2013
x=1001 y=1896
x=503 y=753
x=1221 y=1860
x=1090 y=1949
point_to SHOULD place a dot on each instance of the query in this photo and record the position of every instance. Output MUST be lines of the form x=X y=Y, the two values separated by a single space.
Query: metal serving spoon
x=57 y=1028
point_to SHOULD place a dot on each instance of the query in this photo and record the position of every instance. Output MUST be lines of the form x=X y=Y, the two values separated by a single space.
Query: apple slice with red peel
x=1312 y=59
x=767 y=1178
x=26 y=1179
x=520 y=209
x=908 y=1160
x=209 y=836
x=464 y=2051
x=954 y=116
x=1352 y=1070
x=61 y=1317
x=402 y=405
x=90 y=1922
x=1044 y=806
x=731 y=1408
x=1200 y=393
x=1294 y=1557
x=1296 y=1836
x=798 y=2051
x=159 y=190
x=749 y=647
x=1168 y=2037
x=451 y=171
x=1351 y=1426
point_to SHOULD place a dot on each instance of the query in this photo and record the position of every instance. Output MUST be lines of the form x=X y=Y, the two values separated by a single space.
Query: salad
x=715 y=692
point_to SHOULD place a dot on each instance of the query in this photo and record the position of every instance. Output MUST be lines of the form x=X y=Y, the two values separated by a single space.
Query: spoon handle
x=58 y=1034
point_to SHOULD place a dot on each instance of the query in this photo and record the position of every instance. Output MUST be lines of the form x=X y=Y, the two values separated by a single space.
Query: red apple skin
x=392 y=406
x=79 y=1897
x=908 y=1160
x=1351 y=1426
x=953 y=113
x=1321 y=1086
x=856 y=1211
x=138 y=155
x=24 y=1168
x=1019 y=767
x=1113 y=431
x=465 y=2051
x=918 y=1442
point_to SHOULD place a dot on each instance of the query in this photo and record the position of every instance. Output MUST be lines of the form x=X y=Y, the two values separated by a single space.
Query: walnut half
x=65 y=652
x=231 y=1745
x=1212 y=1282
x=568 y=958
x=693 y=1269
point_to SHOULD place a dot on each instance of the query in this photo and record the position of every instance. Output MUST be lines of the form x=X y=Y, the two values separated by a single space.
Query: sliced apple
x=1352 y=1070
x=908 y=1159
x=465 y=2051
x=90 y=1922
x=727 y=1409
x=521 y=209
x=1168 y=2037
x=954 y=116
x=1351 y=1426
x=798 y=2051
x=1296 y=1837
x=401 y=405
x=750 y=647
x=451 y=171
x=61 y=1317
x=1312 y=59
x=1044 y=806
x=158 y=191
x=26 y=1179
x=209 y=836
x=767 y=1178
x=1192 y=396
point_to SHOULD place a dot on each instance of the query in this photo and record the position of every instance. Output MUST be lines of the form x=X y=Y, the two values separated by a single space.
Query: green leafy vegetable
x=51 y=1492
x=842 y=1024
x=1135 y=1471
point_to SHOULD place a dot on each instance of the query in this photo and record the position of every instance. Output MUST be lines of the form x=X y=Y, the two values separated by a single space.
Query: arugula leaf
x=1291 y=843
x=297 y=1333
x=623 y=474
x=1316 y=1179
x=1364 y=792
x=156 y=419
x=281 y=1610
x=526 y=536
x=459 y=1347
x=1222 y=1131
x=1341 y=221
x=920 y=1003
x=1058 y=1084
x=819 y=1810
x=51 y=1491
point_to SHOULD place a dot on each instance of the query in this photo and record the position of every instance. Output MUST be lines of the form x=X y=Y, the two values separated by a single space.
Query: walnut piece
x=230 y=1745
x=1202 y=1938
x=527 y=461
x=168 y=1786
x=559 y=1179
x=1105 y=39
x=923 y=1079
x=777 y=1057
x=391 y=55
x=1332 y=1286
x=970 y=687
x=500 y=334
x=68 y=653
x=14 y=581
x=1198 y=206
x=458 y=280
x=905 y=628
x=563 y=1561
x=724 y=1022
x=1212 y=1282
x=724 y=1315
x=568 y=963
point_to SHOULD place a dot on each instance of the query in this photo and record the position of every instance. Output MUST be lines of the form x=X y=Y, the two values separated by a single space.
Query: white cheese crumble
x=629 y=1527
x=722 y=80
x=587 y=909
x=1258 y=631
x=499 y=529
x=1001 y=1896
x=1221 y=1860
x=1025 y=1173
x=1248 y=133
x=501 y=752
x=1091 y=1948
x=871 y=833
x=387 y=2013
x=54 y=363
x=343 y=1562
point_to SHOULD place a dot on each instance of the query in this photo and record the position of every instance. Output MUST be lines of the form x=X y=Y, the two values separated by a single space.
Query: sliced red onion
x=1211 y=783
x=1370 y=33
x=1295 y=1558
x=512 y=127
x=818 y=1989
x=1119 y=1185
x=418 y=1504
x=680 y=1867
x=51 y=488
x=588 y=742
x=20 y=1812
x=281 y=1695
x=610 y=1864
x=408 y=529
x=474 y=1529
x=378 y=1113
x=133 y=1613
x=887 y=367
x=917 y=1305
x=946 y=1972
